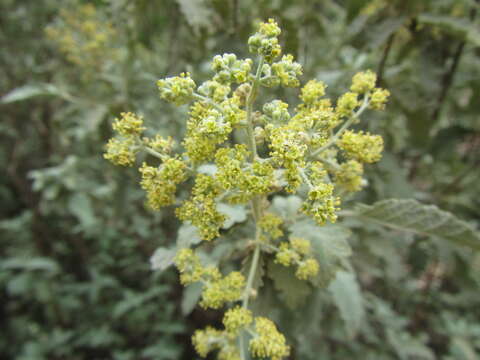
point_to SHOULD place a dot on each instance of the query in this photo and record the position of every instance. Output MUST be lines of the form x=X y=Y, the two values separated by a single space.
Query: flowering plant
x=310 y=152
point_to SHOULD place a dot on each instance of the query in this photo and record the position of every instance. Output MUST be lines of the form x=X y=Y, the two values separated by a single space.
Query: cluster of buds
x=298 y=252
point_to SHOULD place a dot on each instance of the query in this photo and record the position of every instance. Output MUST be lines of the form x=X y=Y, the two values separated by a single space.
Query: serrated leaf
x=187 y=236
x=412 y=216
x=348 y=298
x=294 y=291
x=162 y=258
x=454 y=26
x=233 y=214
x=30 y=91
x=191 y=295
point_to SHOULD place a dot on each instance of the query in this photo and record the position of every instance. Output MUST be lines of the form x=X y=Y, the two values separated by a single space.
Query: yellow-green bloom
x=307 y=269
x=362 y=146
x=363 y=82
x=160 y=183
x=268 y=342
x=237 y=318
x=312 y=91
x=271 y=225
x=128 y=124
x=178 y=89
x=121 y=151
x=346 y=104
x=288 y=71
x=265 y=42
x=378 y=99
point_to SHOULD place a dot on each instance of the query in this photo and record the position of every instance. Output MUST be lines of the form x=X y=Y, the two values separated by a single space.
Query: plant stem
x=155 y=153
x=344 y=127
x=249 y=106
x=256 y=202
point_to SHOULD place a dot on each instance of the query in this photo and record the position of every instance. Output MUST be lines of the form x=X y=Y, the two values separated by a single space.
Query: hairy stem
x=256 y=202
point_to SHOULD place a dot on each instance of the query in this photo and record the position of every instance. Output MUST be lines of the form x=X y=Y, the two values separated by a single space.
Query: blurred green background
x=76 y=239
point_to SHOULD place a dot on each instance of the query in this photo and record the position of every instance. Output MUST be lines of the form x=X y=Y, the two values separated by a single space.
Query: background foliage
x=76 y=238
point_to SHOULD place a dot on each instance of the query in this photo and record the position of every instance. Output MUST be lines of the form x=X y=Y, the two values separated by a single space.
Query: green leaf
x=187 y=236
x=233 y=213
x=191 y=295
x=294 y=291
x=453 y=26
x=29 y=91
x=81 y=207
x=427 y=220
x=287 y=207
x=348 y=298
x=162 y=258
x=33 y=264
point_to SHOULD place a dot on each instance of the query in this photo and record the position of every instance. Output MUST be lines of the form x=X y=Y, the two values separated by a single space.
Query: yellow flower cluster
x=201 y=209
x=178 y=89
x=379 y=98
x=363 y=82
x=122 y=149
x=217 y=290
x=346 y=104
x=268 y=342
x=84 y=36
x=208 y=340
x=209 y=126
x=129 y=124
x=244 y=180
x=161 y=182
x=321 y=204
x=287 y=71
x=265 y=41
x=270 y=225
x=236 y=319
x=230 y=70
x=298 y=252
x=362 y=146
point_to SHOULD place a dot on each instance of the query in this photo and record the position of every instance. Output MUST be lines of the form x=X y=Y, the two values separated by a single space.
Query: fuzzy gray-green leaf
x=412 y=216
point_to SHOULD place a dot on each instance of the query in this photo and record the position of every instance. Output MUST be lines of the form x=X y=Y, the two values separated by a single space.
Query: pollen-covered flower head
x=265 y=42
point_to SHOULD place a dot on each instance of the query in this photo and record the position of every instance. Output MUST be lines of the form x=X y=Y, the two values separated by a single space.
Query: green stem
x=344 y=127
x=255 y=203
x=250 y=101
x=155 y=153
x=251 y=277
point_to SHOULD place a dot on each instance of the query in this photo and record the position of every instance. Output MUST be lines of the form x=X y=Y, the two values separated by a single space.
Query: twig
x=447 y=79
x=383 y=61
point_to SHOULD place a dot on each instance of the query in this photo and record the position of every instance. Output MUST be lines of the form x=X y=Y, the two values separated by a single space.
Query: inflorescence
x=311 y=150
